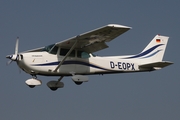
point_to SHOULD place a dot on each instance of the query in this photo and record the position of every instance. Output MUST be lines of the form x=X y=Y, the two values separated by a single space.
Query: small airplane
x=74 y=57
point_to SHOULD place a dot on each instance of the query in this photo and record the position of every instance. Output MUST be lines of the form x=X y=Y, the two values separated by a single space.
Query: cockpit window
x=82 y=54
x=48 y=48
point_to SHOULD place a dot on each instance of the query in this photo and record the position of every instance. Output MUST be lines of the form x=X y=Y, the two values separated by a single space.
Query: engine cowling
x=80 y=78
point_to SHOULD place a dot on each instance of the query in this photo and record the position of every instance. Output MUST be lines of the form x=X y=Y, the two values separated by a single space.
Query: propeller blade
x=15 y=56
x=9 y=62
x=17 y=45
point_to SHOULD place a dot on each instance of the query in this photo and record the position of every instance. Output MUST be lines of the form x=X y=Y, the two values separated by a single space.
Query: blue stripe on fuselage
x=69 y=63
x=145 y=52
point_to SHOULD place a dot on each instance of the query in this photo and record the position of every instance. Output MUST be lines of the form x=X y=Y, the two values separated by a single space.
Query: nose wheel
x=31 y=86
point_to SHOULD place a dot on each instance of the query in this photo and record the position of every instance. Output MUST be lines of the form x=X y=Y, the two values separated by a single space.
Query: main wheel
x=78 y=83
x=54 y=85
x=53 y=88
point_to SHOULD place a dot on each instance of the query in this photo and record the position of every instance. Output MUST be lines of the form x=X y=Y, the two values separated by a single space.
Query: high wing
x=95 y=40
x=92 y=41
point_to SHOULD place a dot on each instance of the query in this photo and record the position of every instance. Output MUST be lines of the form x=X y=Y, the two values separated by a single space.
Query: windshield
x=93 y=55
x=48 y=48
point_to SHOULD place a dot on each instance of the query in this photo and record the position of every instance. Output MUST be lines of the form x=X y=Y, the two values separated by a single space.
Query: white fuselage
x=54 y=60
x=44 y=63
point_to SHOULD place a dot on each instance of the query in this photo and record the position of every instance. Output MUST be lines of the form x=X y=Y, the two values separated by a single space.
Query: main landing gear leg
x=60 y=79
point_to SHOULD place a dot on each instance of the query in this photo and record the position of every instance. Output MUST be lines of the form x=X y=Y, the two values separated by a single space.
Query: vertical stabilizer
x=153 y=52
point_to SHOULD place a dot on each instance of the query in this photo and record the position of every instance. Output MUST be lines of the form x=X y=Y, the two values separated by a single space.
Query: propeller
x=15 y=56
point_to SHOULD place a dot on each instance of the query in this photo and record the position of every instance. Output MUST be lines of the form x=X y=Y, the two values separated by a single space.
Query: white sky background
x=142 y=96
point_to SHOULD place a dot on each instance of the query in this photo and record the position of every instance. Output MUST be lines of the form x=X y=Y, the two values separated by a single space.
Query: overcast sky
x=135 y=96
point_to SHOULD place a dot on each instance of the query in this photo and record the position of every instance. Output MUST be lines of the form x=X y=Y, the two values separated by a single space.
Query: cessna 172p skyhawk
x=73 y=57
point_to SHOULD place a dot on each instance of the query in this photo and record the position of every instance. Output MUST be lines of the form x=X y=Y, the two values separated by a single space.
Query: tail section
x=153 y=52
x=151 y=57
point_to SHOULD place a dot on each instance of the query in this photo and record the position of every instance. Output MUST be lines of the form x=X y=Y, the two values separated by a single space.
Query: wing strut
x=67 y=54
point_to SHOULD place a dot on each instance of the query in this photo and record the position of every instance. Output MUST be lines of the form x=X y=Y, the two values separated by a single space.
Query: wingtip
x=119 y=26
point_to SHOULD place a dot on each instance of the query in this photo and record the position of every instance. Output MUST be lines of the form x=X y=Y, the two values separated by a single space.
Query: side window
x=54 y=50
x=82 y=54
x=63 y=52
x=72 y=54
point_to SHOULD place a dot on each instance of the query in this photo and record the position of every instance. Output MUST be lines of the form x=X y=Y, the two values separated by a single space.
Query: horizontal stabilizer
x=156 y=65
